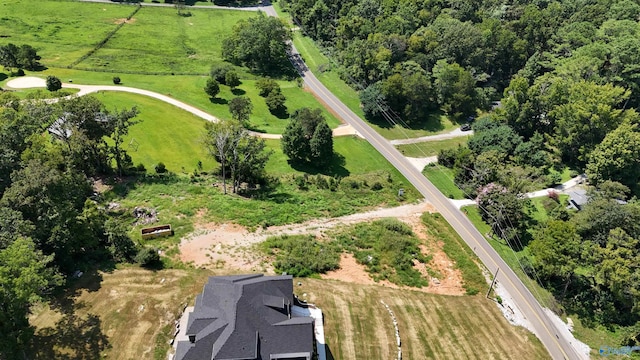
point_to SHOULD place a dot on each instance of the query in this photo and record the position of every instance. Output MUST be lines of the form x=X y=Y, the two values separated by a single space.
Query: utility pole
x=495 y=278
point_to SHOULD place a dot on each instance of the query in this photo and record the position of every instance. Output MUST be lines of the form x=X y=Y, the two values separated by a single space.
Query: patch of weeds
x=388 y=248
x=301 y=255
x=457 y=250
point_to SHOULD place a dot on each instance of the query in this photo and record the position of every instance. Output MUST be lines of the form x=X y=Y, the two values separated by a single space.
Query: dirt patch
x=231 y=246
x=124 y=21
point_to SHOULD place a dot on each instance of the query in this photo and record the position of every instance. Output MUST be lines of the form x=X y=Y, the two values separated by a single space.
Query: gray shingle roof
x=245 y=317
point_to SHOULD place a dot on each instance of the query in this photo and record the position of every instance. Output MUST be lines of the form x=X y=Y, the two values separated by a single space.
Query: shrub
x=140 y=168
x=53 y=83
x=447 y=157
x=231 y=79
x=20 y=72
x=161 y=168
x=116 y=80
x=267 y=86
x=219 y=72
x=377 y=186
x=148 y=257
x=212 y=88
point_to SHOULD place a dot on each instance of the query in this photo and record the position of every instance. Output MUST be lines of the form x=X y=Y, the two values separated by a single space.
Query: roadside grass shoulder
x=442 y=178
x=515 y=260
x=457 y=250
x=431 y=148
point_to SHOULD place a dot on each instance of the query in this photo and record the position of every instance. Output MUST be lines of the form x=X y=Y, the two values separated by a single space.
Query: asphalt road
x=552 y=338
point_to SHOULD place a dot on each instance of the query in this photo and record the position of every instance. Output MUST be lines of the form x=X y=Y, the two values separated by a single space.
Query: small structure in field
x=156 y=232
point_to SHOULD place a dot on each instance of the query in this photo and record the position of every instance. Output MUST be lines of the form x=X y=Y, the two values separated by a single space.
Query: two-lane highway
x=545 y=329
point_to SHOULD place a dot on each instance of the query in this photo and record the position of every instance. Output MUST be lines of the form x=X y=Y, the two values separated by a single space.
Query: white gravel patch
x=580 y=347
x=420 y=163
x=26 y=82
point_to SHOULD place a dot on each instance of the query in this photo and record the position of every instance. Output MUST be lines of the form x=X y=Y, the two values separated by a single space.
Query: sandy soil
x=230 y=246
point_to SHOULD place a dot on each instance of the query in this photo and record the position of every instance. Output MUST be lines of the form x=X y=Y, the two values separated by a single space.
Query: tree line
x=50 y=223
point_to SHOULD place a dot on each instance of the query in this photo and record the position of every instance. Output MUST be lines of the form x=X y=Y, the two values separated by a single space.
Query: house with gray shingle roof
x=246 y=317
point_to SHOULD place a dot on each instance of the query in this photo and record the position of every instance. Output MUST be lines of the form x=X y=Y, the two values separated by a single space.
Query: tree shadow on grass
x=219 y=101
x=281 y=112
x=432 y=123
x=238 y=92
x=335 y=168
x=3 y=76
x=122 y=186
x=328 y=352
x=72 y=337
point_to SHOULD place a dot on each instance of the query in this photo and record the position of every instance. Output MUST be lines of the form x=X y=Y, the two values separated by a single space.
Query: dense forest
x=567 y=78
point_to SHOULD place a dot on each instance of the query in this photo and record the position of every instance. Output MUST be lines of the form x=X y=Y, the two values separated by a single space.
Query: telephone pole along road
x=552 y=338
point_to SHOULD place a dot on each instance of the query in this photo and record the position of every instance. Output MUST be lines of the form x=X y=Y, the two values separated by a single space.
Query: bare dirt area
x=230 y=246
x=124 y=21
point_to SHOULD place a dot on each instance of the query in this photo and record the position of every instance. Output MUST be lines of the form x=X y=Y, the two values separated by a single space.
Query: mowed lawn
x=159 y=40
x=165 y=134
x=130 y=313
x=358 y=326
x=431 y=148
x=442 y=178
x=61 y=31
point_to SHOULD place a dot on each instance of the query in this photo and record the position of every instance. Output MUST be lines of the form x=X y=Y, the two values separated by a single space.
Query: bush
x=219 y=72
x=53 y=83
x=447 y=157
x=148 y=257
x=267 y=86
x=116 y=80
x=20 y=72
x=231 y=79
x=212 y=88
x=140 y=168
x=376 y=186
x=161 y=168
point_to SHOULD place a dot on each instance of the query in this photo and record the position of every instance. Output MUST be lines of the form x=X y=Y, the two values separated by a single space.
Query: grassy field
x=61 y=31
x=165 y=134
x=146 y=44
x=178 y=198
x=431 y=148
x=358 y=326
x=129 y=314
x=442 y=178
x=124 y=315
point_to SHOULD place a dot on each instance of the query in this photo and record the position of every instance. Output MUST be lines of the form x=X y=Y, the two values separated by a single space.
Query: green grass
x=61 y=31
x=457 y=250
x=431 y=148
x=165 y=134
x=539 y=213
x=442 y=178
x=158 y=40
x=387 y=248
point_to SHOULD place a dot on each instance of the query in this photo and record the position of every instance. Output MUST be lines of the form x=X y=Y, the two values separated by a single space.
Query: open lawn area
x=442 y=178
x=358 y=326
x=165 y=134
x=431 y=148
x=129 y=314
x=152 y=40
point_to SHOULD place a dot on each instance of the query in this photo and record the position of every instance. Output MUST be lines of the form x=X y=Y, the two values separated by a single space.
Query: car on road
x=465 y=127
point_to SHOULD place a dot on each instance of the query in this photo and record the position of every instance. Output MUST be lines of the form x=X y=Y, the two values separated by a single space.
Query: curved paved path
x=28 y=82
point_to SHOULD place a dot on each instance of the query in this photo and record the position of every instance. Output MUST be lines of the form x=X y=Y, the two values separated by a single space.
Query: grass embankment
x=458 y=251
x=358 y=326
x=431 y=148
x=442 y=178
